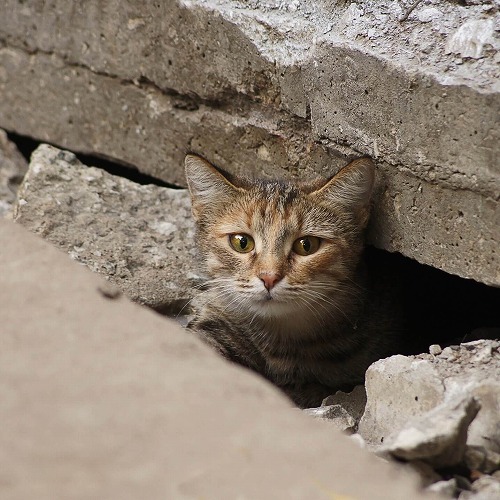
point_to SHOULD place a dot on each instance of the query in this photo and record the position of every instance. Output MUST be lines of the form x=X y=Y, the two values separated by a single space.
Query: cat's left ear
x=351 y=188
x=208 y=187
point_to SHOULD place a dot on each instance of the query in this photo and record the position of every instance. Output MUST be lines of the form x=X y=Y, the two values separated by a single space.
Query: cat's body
x=289 y=296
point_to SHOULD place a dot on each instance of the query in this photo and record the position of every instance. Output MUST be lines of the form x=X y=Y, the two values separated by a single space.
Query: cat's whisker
x=184 y=307
x=324 y=298
x=313 y=310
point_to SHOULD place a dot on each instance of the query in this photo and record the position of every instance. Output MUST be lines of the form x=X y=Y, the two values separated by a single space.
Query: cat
x=288 y=294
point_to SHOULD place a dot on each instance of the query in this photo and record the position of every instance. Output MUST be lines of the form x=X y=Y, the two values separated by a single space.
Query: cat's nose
x=269 y=279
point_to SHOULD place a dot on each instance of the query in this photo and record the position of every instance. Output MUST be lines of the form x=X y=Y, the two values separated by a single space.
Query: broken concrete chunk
x=13 y=166
x=480 y=459
x=397 y=389
x=139 y=237
x=439 y=437
x=335 y=414
x=470 y=38
x=446 y=488
x=343 y=409
x=435 y=349
x=401 y=388
x=485 y=488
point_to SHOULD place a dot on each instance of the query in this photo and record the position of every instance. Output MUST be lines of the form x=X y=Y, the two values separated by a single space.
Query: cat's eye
x=307 y=245
x=242 y=243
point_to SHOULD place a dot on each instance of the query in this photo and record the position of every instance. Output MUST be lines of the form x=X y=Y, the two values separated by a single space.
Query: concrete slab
x=104 y=399
x=286 y=89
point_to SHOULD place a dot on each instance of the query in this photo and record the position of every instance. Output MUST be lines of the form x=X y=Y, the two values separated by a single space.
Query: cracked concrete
x=298 y=87
x=139 y=237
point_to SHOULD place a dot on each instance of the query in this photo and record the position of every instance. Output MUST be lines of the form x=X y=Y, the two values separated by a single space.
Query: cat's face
x=275 y=248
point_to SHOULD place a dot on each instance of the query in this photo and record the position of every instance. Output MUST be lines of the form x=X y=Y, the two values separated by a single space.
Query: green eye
x=306 y=245
x=242 y=243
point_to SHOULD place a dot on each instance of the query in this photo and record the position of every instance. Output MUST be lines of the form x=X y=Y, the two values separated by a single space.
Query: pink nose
x=269 y=279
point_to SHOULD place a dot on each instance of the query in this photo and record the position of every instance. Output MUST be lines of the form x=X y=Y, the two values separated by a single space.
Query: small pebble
x=435 y=349
x=109 y=291
x=446 y=488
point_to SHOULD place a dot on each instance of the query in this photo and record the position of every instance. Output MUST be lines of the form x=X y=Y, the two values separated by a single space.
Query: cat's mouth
x=269 y=298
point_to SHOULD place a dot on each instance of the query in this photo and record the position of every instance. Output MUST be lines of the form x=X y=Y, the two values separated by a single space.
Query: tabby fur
x=319 y=324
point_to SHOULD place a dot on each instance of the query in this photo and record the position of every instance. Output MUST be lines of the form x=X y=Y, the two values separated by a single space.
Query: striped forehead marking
x=273 y=218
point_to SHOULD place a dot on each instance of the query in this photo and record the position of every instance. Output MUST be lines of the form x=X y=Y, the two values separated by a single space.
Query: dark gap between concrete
x=439 y=308
x=27 y=145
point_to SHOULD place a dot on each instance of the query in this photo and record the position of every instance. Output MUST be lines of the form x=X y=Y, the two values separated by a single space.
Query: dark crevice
x=438 y=308
x=27 y=145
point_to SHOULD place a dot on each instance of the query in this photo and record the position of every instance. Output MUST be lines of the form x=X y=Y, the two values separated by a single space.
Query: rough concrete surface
x=141 y=238
x=427 y=381
x=344 y=410
x=13 y=167
x=437 y=412
x=104 y=399
x=440 y=436
x=281 y=88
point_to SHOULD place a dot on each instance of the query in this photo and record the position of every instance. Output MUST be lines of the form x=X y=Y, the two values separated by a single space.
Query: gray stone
x=343 y=409
x=102 y=398
x=435 y=349
x=484 y=488
x=439 y=437
x=13 y=166
x=481 y=459
x=139 y=237
x=446 y=488
x=271 y=88
x=427 y=381
x=471 y=37
x=335 y=414
x=353 y=402
x=419 y=389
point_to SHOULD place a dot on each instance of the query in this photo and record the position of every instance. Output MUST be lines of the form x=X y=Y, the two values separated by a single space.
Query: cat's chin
x=269 y=306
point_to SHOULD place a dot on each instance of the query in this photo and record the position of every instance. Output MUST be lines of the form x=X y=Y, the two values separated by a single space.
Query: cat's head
x=275 y=245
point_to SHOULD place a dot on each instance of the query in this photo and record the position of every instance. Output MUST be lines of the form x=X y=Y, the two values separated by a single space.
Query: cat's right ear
x=351 y=189
x=208 y=187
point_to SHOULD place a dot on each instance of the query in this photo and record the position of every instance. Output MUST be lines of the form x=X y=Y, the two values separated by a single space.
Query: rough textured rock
x=387 y=411
x=335 y=414
x=425 y=382
x=13 y=166
x=480 y=459
x=344 y=410
x=138 y=237
x=485 y=488
x=445 y=488
x=439 y=437
x=295 y=86
x=104 y=399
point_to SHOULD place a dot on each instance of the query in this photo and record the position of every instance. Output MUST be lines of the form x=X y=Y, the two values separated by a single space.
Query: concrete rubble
x=436 y=412
x=344 y=410
x=296 y=86
x=439 y=437
x=141 y=238
x=439 y=412
x=426 y=382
